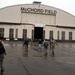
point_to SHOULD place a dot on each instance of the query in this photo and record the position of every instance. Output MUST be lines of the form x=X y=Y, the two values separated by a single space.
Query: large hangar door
x=38 y=32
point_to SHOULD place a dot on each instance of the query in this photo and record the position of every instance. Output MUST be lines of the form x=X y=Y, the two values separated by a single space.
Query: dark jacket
x=2 y=49
x=40 y=42
x=26 y=41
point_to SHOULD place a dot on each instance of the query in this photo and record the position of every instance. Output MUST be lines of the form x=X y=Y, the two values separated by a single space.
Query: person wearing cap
x=2 y=52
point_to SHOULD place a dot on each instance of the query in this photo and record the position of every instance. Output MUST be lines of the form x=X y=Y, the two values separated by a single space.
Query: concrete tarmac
x=18 y=61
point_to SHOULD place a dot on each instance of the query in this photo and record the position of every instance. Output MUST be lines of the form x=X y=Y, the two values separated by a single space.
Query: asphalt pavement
x=19 y=61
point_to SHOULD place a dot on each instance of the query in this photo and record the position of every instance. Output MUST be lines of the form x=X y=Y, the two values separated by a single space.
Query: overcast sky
x=66 y=5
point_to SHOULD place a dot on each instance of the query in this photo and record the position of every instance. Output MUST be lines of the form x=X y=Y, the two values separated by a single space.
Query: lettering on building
x=38 y=11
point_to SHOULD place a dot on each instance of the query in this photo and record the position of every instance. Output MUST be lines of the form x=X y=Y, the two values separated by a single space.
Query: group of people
x=51 y=43
x=45 y=44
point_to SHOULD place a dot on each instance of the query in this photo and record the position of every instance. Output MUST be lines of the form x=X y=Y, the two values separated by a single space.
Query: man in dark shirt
x=26 y=43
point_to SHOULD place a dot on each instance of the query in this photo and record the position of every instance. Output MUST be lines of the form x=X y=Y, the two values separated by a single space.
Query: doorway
x=38 y=32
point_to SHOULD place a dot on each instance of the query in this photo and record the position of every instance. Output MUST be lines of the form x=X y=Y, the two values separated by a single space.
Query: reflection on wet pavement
x=25 y=53
x=28 y=59
x=61 y=50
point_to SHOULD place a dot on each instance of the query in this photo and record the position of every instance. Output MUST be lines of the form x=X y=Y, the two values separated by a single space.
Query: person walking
x=45 y=44
x=53 y=43
x=40 y=43
x=26 y=43
x=2 y=52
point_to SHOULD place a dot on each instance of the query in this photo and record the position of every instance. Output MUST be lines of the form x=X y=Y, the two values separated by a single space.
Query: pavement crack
x=24 y=67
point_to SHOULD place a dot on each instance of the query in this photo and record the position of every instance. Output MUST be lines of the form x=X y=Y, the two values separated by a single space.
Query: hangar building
x=36 y=21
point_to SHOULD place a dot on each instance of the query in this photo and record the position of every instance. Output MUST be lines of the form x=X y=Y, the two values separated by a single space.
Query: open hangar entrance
x=38 y=32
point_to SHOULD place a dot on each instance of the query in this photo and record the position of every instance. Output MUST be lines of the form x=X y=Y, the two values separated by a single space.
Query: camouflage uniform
x=45 y=44
x=53 y=43
x=2 y=52
x=1 y=61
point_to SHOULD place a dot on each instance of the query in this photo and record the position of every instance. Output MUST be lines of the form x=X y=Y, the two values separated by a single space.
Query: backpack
x=45 y=44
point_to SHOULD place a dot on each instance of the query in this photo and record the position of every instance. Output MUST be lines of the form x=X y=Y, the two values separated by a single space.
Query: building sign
x=38 y=25
x=38 y=11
